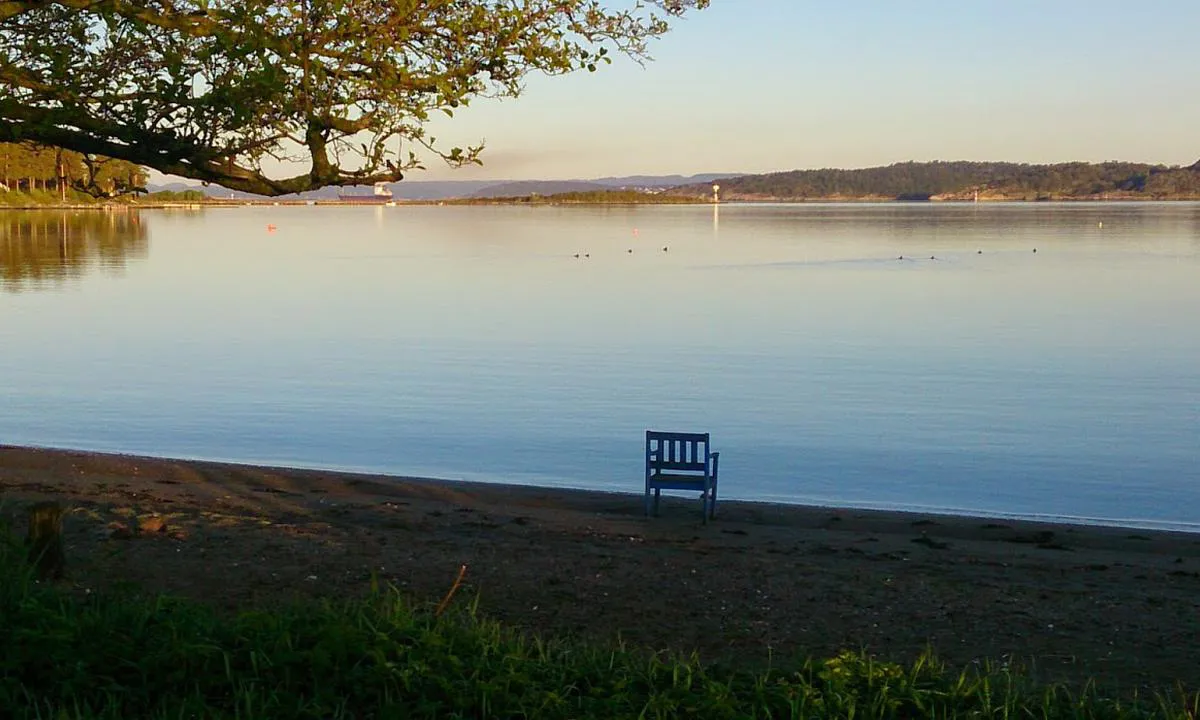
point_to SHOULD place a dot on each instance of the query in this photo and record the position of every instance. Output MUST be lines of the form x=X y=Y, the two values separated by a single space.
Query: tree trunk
x=45 y=540
x=62 y=175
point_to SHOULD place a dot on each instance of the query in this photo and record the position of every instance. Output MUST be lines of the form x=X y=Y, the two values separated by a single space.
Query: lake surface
x=468 y=342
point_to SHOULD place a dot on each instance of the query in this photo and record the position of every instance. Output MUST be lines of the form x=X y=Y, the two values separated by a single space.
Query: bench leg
x=712 y=504
x=647 y=503
x=657 y=495
x=704 y=506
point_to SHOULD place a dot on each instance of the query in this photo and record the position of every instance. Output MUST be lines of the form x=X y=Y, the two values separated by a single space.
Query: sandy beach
x=763 y=581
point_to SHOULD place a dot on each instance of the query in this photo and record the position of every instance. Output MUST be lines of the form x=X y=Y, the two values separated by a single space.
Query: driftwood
x=45 y=540
x=441 y=608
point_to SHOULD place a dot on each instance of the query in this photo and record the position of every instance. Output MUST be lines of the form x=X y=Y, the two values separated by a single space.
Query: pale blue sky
x=765 y=85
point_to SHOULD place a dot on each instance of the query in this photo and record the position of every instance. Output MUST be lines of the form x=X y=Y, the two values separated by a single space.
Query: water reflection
x=47 y=248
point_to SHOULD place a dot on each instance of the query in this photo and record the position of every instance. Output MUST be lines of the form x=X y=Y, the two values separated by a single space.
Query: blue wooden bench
x=681 y=461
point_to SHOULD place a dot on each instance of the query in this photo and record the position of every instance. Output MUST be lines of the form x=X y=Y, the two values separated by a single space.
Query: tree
x=213 y=89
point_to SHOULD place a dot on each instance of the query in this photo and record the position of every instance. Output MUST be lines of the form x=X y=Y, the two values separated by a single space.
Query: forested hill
x=962 y=180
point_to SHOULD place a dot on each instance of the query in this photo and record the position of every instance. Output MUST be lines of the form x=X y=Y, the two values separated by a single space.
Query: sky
x=771 y=85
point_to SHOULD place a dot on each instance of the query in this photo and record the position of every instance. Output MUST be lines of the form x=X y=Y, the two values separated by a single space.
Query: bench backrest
x=676 y=452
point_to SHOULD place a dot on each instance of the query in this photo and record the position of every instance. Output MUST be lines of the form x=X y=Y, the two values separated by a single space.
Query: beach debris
x=1036 y=538
x=462 y=571
x=45 y=540
x=930 y=542
x=1054 y=546
x=118 y=531
x=151 y=525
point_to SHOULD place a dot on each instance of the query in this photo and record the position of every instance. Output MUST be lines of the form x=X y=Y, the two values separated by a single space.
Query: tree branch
x=208 y=89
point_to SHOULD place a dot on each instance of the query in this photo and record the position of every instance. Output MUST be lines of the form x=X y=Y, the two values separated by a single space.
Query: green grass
x=48 y=198
x=125 y=656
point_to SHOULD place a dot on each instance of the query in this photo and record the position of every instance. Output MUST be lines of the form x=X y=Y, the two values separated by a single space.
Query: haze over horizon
x=776 y=85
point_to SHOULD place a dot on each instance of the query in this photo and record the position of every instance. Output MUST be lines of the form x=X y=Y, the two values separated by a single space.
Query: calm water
x=470 y=343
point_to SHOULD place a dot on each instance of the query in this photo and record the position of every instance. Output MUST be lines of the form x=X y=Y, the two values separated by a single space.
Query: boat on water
x=379 y=195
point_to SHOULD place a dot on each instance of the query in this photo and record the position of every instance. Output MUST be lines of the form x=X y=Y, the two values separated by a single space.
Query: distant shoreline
x=460 y=202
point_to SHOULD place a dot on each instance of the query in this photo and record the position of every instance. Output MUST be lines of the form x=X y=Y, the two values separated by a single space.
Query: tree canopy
x=216 y=90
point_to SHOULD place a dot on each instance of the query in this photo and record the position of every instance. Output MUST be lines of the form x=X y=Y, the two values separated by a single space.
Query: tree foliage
x=218 y=89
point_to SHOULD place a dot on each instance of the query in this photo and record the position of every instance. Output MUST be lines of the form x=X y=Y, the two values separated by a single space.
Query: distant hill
x=407 y=190
x=965 y=180
x=448 y=189
x=603 y=196
x=521 y=188
x=910 y=181
x=661 y=181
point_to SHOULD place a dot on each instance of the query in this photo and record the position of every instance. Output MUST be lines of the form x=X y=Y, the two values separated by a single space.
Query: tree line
x=30 y=167
x=962 y=180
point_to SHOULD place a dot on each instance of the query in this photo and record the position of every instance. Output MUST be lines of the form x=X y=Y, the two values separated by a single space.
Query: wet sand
x=1069 y=602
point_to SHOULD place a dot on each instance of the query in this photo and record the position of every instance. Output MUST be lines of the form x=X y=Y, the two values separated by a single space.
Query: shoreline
x=763 y=583
x=1185 y=529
